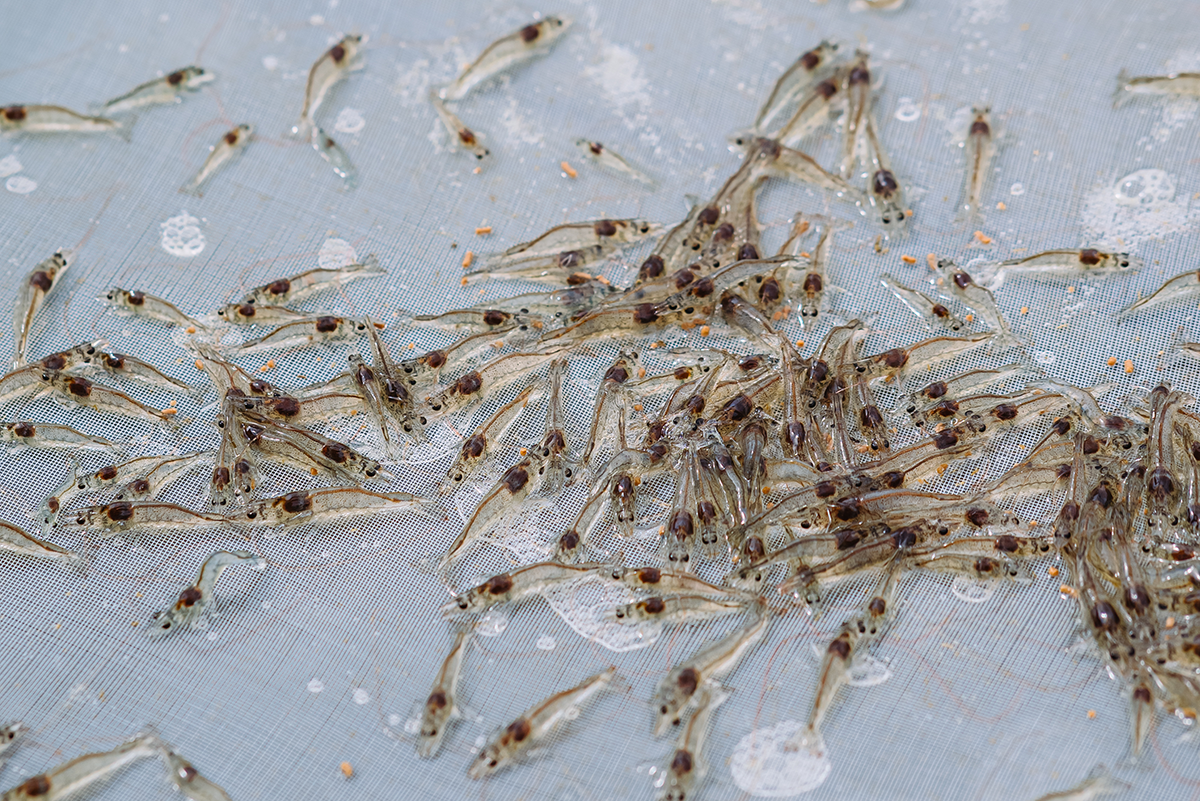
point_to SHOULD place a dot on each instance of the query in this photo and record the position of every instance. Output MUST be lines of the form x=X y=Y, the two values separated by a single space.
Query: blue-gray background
x=985 y=701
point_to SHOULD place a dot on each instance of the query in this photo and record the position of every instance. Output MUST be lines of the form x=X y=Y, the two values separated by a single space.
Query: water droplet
x=1017 y=189
x=412 y=725
x=181 y=235
x=1144 y=188
x=270 y=63
x=393 y=719
x=546 y=642
x=571 y=713
x=972 y=591
x=762 y=767
x=20 y=185
x=212 y=636
x=361 y=696
x=1044 y=356
x=316 y=20
x=908 y=110
x=316 y=685
x=480 y=741
x=349 y=121
x=492 y=624
x=867 y=671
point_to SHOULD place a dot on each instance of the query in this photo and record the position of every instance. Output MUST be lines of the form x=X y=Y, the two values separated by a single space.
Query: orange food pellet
x=1112 y=361
x=941 y=469
x=983 y=238
x=199 y=364
x=485 y=229
x=1001 y=206
x=637 y=407
x=1024 y=310
x=970 y=318
x=908 y=259
x=169 y=410
x=477 y=170
x=799 y=343
x=524 y=452
x=1091 y=714
x=804 y=254
x=1169 y=623
x=1070 y=290
x=191 y=329
x=568 y=169
x=1066 y=589
x=312 y=470
x=704 y=330
x=347 y=770
x=1129 y=365
x=766 y=490
x=379 y=325
x=641 y=372
x=1053 y=571
x=931 y=260
x=468 y=258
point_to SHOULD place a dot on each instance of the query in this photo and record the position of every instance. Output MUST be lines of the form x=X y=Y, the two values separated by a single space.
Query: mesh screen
x=323 y=656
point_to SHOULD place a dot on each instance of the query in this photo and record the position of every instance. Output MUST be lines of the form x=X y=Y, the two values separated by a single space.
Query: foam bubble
x=10 y=165
x=316 y=686
x=585 y=604
x=763 y=768
x=1137 y=207
x=361 y=696
x=908 y=110
x=972 y=591
x=867 y=671
x=349 y=121
x=492 y=624
x=336 y=253
x=181 y=235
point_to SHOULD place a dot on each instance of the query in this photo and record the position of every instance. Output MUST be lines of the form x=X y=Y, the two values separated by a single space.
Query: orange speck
x=262 y=368
x=941 y=469
x=1129 y=365
x=410 y=346
x=1112 y=361
x=1091 y=714
x=1169 y=623
x=463 y=281
x=931 y=260
x=1070 y=290
x=641 y=372
x=379 y=325
x=799 y=343
x=524 y=451
x=480 y=231
x=983 y=238
x=1067 y=589
x=1001 y=206
x=347 y=770
x=1024 y=310
x=468 y=258
x=568 y=169
x=778 y=315
x=637 y=481
x=908 y=259
x=172 y=402
x=134 y=624
x=199 y=364
x=477 y=170
x=191 y=329
x=536 y=324
x=804 y=254
x=271 y=363
x=312 y=470
x=637 y=407
x=704 y=330
x=970 y=318
x=1053 y=571
x=170 y=411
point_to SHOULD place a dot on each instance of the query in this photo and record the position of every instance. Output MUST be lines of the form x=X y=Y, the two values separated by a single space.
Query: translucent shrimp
x=332 y=152
x=295 y=288
x=188 y=780
x=606 y=159
x=230 y=146
x=169 y=88
x=319 y=506
x=512 y=488
x=506 y=52
x=140 y=304
x=26 y=434
x=980 y=146
x=460 y=134
x=85 y=771
x=34 y=289
x=333 y=66
x=323 y=329
x=484 y=441
x=195 y=600
x=441 y=707
x=14 y=540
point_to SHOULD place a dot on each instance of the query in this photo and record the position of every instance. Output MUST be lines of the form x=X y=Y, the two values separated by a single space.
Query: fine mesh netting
x=324 y=655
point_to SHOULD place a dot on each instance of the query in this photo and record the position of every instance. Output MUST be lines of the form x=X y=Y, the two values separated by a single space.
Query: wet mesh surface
x=985 y=700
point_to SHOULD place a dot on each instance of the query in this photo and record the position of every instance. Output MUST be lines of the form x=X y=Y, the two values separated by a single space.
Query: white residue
x=517 y=127
x=867 y=671
x=971 y=590
x=1134 y=208
x=316 y=20
x=586 y=604
x=181 y=235
x=270 y=62
x=412 y=725
x=10 y=165
x=349 y=121
x=546 y=642
x=981 y=12
x=763 y=768
x=1017 y=189
x=335 y=253
x=361 y=696
x=316 y=686
x=492 y=624
x=1176 y=112
x=908 y=110
x=622 y=82
x=20 y=185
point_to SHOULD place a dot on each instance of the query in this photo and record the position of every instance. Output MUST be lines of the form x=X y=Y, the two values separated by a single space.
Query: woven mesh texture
x=324 y=655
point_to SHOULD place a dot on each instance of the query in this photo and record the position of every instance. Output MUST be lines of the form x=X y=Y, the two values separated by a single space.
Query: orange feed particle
x=484 y=229
x=468 y=258
x=1112 y=361
x=568 y=169
x=1129 y=365
x=908 y=259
